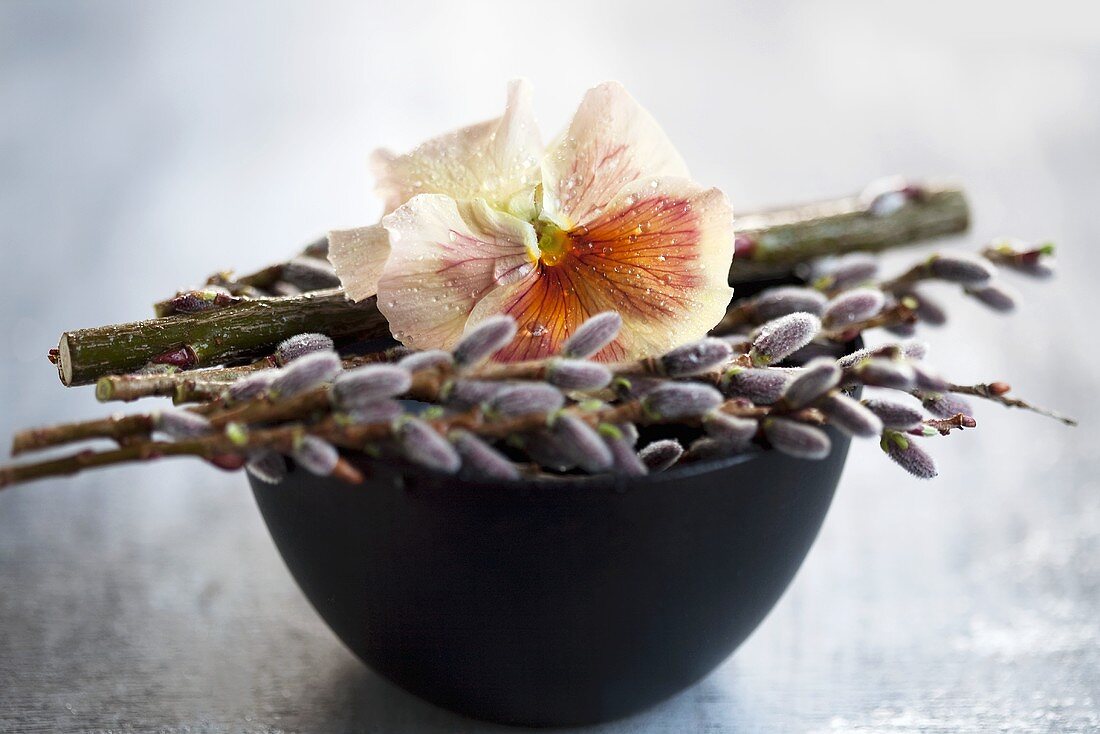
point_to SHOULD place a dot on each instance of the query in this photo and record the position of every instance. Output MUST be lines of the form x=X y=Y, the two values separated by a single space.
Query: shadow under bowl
x=550 y=603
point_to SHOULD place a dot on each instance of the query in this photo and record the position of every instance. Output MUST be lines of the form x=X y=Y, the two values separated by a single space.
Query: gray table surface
x=144 y=145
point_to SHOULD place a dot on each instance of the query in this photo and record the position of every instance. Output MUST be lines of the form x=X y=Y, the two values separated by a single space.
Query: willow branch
x=996 y=392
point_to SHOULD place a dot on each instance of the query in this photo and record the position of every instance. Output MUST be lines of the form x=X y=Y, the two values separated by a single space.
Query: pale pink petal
x=446 y=256
x=358 y=255
x=492 y=160
x=610 y=143
x=659 y=255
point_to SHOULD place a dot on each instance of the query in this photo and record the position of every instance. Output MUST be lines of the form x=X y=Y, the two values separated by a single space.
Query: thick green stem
x=771 y=243
x=239 y=331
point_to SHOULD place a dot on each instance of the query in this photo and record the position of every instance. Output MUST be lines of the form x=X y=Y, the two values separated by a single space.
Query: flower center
x=554 y=243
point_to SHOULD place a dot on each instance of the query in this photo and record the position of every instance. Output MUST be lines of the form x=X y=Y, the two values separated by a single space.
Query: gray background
x=145 y=144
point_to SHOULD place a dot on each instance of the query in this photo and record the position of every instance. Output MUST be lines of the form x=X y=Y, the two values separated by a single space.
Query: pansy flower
x=485 y=220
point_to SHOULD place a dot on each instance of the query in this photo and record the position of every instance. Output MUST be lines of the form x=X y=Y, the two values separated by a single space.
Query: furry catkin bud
x=945 y=405
x=526 y=398
x=546 y=452
x=471 y=393
x=577 y=374
x=853 y=306
x=629 y=432
x=480 y=460
x=581 y=443
x=660 y=455
x=797 y=439
x=696 y=357
x=484 y=340
x=732 y=430
x=252 y=386
x=306 y=373
x=995 y=295
x=776 y=302
x=626 y=461
x=426 y=360
x=300 y=345
x=368 y=384
x=761 y=386
x=675 y=400
x=908 y=455
x=315 y=455
x=819 y=377
x=925 y=379
x=927 y=309
x=266 y=465
x=846 y=271
x=422 y=445
x=593 y=335
x=881 y=372
x=960 y=267
x=894 y=415
x=914 y=350
x=205 y=299
x=379 y=411
x=851 y=416
x=181 y=424
x=781 y=337
x=310 y=274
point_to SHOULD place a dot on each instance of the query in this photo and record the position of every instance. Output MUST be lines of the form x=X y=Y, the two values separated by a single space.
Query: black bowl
x=569 y=602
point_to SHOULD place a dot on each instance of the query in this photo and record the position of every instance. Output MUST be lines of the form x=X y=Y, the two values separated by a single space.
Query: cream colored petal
x=446 y=256
x=659 y=255
x=492 y=160
x=358 y=255
x=610 y=143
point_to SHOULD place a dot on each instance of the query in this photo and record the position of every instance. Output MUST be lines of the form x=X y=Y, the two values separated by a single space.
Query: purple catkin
x=851 y=417
x=927 y=309
x=368 y=384
x=379 y=411
x=306 y=373
x=925 y=379
x=629 y=432
x=853 y=306
x=819 y=377
x=422 y=445
x=593 y=335
x=484 y=340
x=708 y=447
x=776 y=302
x=910 y=457
x=206 y=299
x=894 y=415
x=781 y=337
x=480 y=460
x=677 y=400
x=797 y=439
x=758 y=385
x=577 y=374
x=914 y=350
x=425 y=360
x=661 y=455
x=252 y=386
x=995 y=295
x=582 y=443
x=181 y=424
x=545 y=451
x=945 y=405
x=266 y=465
x=310 y=274
x=300 y=345
x=471 y=393
x=732 y=430
x=960 y=267
x=844 y=272
x=698 y=356
x=315 y=455
x=525 y=399
x=626 y=461
x=882 y=372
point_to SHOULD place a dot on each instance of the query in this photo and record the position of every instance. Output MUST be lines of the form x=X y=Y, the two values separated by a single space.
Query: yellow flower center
x=554 y=243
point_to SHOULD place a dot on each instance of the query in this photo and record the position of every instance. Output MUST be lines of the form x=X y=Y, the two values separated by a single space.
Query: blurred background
x=143 y=145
